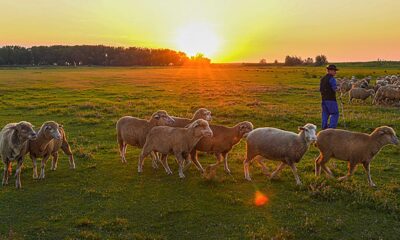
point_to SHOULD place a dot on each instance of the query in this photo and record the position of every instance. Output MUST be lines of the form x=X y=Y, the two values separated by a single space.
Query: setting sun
x=197 y=38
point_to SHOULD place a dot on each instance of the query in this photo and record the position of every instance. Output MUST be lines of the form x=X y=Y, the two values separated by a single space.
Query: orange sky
x=226 y=31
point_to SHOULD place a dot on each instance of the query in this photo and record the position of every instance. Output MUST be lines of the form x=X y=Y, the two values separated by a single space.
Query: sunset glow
x=197 y=38
x=233 y=31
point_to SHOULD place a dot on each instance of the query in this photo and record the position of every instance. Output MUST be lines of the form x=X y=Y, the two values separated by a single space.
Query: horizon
x=247 y=32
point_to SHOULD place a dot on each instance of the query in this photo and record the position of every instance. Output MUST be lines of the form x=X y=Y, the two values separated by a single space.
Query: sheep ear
x=301 y=128
x=60 y=126
x=157 y=116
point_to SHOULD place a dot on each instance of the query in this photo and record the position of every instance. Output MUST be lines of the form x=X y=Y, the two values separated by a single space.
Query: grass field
x=104 y=199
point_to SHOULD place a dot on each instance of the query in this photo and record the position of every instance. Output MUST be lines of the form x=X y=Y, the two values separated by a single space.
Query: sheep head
x=245 y=128
x=51 y=130
x=161 y=118
x=24 y=131
x=201 y=128
x=310 y=132
x=202 y=113
x=386 y=135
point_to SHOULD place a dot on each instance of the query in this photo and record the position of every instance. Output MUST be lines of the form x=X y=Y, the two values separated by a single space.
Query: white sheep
x=279 y=145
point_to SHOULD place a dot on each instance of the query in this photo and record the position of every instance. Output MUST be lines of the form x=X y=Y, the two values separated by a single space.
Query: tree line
x=320 y=60
x=96 y=55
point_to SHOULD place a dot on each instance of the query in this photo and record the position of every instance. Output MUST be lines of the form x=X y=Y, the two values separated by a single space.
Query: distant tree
x=263 y=61
x=276 y=62
x=308 y=61
x=293 y=61
x=321 y=60
x=199 y=59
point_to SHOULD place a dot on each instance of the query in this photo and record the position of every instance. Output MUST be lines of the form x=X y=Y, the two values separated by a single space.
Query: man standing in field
x=328 y=88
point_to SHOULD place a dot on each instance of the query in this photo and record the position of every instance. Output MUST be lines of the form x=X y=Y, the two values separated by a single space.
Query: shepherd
x=328 y=88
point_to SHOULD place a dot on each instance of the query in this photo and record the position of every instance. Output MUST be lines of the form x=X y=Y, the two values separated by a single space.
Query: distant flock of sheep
x=386 y=90
x=163 y=134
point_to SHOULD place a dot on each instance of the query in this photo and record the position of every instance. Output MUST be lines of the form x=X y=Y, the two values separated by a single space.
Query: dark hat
x=332 y=67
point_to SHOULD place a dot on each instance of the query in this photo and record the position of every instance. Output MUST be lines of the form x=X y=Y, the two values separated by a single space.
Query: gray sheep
x=13 y=146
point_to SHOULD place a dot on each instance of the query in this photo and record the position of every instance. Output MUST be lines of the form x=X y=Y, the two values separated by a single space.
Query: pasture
x=104 y=199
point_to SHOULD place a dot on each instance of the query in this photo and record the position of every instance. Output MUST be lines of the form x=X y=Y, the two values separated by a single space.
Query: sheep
x=179 y=141
x=353 y=147
x=13 y=146
x=133 y=131
x=200 y=113
x=360 y=84
x=223 y=140
x=345 y=87
x=50 y=139
x=280 y=145
x=360 y=93
x=388 y=92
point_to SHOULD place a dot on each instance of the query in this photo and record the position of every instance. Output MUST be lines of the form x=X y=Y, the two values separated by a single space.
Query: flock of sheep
x=163 y=134
x=386 y=90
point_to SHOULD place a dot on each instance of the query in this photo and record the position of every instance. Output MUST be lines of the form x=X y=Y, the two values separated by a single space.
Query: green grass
x=104 y=199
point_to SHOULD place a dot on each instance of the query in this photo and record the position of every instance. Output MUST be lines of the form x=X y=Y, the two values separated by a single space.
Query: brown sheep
x=221 y=143
x=179 y=141
x=360 y=93
x=50 y=139
x=13 y=147
x=133 y=131
x=279 y=145
x=353 y=147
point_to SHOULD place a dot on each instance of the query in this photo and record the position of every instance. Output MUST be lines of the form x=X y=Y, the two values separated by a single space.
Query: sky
x=225 y=31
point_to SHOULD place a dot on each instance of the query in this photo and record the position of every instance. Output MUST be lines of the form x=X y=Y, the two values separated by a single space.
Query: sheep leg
x=193 y=156
x=5 y=173
x=54 y=162
x=154 y=160
x=296 y=176
x=164 y=162
x=263 y=167
x=18 y=173
x=318 y=165
x=246 y=164
x=323 y=161
x=122 y=151
x=142 y=156
x=43 y=166
x=351 y=170
x=196 y=162
x=367 y=170
x=67 y=150
x=225 y=156
x=34 y=163
x=180 y=160
x=281 y=166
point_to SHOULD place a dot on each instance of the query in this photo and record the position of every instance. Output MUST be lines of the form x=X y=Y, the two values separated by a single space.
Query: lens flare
x=260 y=199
